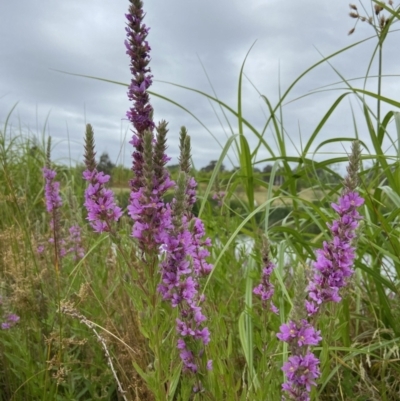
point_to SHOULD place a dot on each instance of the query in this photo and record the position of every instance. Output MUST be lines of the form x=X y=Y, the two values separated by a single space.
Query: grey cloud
x=87 y=37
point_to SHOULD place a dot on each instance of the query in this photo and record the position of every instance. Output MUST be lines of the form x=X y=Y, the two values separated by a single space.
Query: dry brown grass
x=122 y=335
x=21 y=278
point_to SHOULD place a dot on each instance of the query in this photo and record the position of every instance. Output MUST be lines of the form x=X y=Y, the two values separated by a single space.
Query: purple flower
x=152 y=217
x=183 y=265
x=160 y=227
x=300 y=334
x=177 y=283
x=188 y=360
x=334 y=264
x=301 y=373
x=219 y=197
x=151 y=181
x=265 y=290
x=52 y=190
x=99 y=202
x=198 y=251
x=11 y=320
x=332 y=269
x=140 y=114
x=53 y=204
x=75 y=243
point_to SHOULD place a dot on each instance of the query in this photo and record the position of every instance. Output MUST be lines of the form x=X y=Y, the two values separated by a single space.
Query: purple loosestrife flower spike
x=53 y=205
x=302 y=368
x=332 y=269
x=75 y=242
x=265 y=290
x=152 y=217
x=140 y=114
x=138 y=50
x=334 y=264
x=299 y=334
x=184 y=263
x=199 y=251
x=52 y=190
x=99 y=201
x=301 y=372
x=219 y=197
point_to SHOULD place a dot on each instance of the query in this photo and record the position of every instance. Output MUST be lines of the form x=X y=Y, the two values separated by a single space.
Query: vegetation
x=94 y=327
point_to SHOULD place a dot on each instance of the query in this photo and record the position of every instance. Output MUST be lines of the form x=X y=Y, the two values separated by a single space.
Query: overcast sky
x=87 y=37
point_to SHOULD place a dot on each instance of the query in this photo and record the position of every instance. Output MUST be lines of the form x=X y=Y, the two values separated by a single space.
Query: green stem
x=380 y=58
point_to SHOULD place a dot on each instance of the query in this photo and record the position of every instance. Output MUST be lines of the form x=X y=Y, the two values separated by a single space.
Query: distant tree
x=211 y=167
x=279 y=175
x=267 y=169
x=266 y=172
x=105 y=164
x=173 y=167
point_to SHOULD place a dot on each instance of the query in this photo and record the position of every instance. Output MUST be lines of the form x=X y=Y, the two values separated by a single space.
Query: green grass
x=50 y=355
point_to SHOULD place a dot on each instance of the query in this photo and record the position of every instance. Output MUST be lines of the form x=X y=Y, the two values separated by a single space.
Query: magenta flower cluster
x=157 y=225
x=301 y=372
x=99 y=202
x=219 y=197
x=199 y=251
x=335 y=260
x=71 y=244
x=265 y=290
x=75 y=243
x=302 y=368
x=137 y=47
x=10 y=321
x=140 y=114
x=184 y=263
x=152 y=217
x=332 y=269
x=52 y=190
x=53 y=204
x=299 y=334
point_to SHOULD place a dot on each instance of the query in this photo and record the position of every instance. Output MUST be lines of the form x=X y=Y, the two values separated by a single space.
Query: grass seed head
x=377 y=9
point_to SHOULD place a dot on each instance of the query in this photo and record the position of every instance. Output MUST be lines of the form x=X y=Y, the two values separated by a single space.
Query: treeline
x=305 y=176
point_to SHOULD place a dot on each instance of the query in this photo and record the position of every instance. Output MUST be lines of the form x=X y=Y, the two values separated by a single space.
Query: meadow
x=148 y=294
